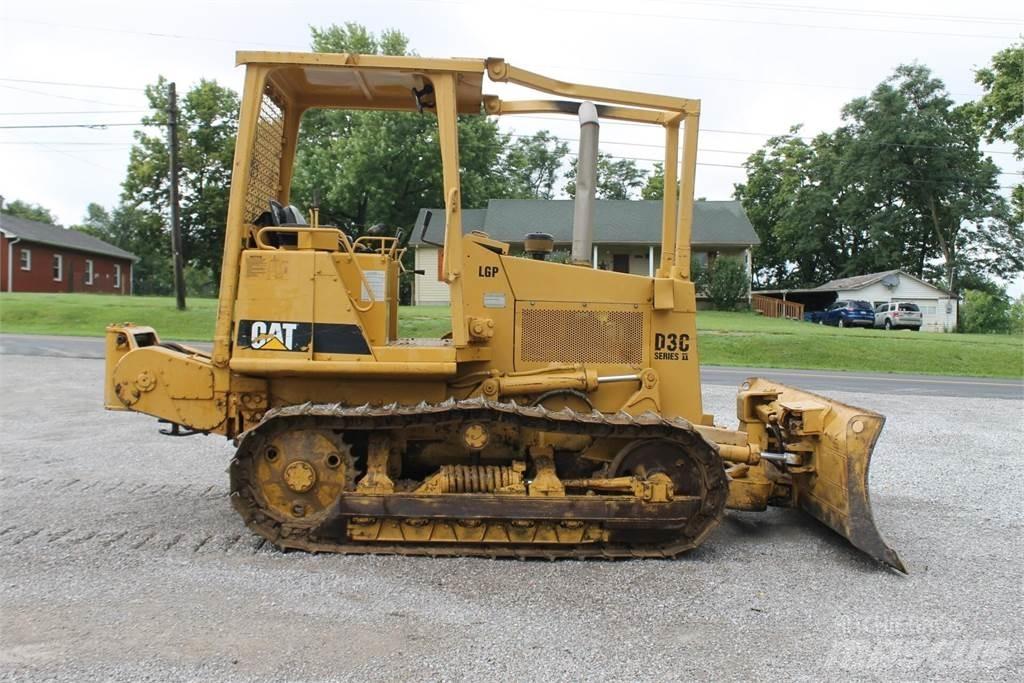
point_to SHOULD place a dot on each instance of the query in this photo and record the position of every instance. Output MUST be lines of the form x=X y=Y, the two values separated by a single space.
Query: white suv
x=897 y=314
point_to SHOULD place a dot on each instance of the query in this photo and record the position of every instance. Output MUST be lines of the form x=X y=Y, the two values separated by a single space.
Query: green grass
x=88 y=314
x=742 y=339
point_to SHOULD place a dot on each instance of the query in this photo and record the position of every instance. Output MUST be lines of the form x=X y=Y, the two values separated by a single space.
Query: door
x=620 y=263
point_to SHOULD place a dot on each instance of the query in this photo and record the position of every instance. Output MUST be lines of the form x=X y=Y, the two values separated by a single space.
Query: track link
x=286 y=534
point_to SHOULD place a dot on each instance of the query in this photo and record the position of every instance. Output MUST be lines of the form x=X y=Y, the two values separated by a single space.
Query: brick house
x=38 y=257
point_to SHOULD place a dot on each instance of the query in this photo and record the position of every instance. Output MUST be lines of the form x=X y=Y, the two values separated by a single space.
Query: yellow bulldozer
x=560 y=417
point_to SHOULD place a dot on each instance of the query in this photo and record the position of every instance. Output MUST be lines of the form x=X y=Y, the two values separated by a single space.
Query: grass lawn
x=726 y=338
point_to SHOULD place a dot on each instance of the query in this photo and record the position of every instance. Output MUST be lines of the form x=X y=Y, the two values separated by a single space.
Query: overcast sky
x=758 y=66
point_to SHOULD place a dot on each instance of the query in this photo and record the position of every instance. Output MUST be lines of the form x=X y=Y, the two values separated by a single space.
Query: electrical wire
x=547 y=7
x=61 y=97
x=61 y=113
x=73 y=85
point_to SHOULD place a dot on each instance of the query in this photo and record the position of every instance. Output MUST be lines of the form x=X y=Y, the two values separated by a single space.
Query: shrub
x=724 y=282
x=985 y=312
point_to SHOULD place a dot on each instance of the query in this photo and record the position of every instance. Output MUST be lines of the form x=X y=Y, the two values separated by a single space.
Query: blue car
x=813 y=316
x=849 y=313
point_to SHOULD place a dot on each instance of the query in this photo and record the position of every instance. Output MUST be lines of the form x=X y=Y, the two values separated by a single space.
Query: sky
x=758 y=66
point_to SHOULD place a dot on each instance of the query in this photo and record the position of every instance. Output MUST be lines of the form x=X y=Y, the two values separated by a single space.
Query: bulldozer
x=561 y=417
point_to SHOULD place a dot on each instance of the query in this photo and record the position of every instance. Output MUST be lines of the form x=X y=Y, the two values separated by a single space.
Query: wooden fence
x=771 y=307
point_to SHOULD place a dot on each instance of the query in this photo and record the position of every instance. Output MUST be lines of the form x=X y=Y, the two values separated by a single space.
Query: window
x=26 y=259
x=88 y=271
x=58 y=267
x=117 y=276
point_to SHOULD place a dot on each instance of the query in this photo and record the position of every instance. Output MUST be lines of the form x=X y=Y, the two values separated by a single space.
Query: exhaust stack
x=586 y=182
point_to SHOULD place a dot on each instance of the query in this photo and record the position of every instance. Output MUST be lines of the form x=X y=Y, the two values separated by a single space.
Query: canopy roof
x=343 y=80
x=355 y=81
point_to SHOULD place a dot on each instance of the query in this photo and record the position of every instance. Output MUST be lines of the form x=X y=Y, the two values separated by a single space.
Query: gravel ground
x=121 y=559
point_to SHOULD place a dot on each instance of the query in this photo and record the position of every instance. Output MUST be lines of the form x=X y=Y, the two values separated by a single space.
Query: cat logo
x=272 y=336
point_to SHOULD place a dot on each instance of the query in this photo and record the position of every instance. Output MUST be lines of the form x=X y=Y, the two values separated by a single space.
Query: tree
x=775 y=175
x=654 y=187
x=143 y=233
x=902 y=184
x=1000 y=111
x=923 y=153
x=616 y=178
x=32 y=212
x=382 y=167
x=532 y=165
x=206 y=133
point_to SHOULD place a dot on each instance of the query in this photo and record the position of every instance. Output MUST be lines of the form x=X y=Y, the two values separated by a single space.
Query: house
x=627 y=235
x=38 y=257
x=938 y=307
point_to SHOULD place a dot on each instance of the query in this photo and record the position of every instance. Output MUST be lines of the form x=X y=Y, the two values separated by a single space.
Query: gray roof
x=721 y=223
x=44 y=233
x=854 y=283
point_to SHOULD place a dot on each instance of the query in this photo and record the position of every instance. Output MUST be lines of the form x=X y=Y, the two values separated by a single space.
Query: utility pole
x=172 y=146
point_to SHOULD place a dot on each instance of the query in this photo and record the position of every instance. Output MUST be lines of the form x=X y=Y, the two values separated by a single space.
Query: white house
x=938 y=307
x=627 y=235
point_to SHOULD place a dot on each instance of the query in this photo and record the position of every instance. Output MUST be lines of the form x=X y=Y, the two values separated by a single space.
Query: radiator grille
x=267 y=150
x=580 y=336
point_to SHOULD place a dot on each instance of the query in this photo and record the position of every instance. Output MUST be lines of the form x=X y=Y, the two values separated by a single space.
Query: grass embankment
x=742 y=339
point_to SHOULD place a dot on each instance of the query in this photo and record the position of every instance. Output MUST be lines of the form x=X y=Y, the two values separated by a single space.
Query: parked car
x=898 y=314
x=849 y=313
x=813 y=316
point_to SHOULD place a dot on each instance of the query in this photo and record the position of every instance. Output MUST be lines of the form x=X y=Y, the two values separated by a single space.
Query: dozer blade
x=832 y=484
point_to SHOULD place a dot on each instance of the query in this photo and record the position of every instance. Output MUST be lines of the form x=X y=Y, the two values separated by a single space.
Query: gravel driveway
x=121 y=559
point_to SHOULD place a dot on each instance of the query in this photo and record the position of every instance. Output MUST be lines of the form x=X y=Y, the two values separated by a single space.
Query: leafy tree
x=724 y=281
x=616 y=178
x=532 y=165
x=902 y=184
x=1000 y=111
x=912 y=144
x=776 y=173
x=32 y=212
x=985 y=312
x=382 y=167
x=142 y=232
x=654 y=187
x=206 y=133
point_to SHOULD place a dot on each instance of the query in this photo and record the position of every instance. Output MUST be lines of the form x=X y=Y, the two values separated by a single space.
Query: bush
x=1017 y=316
x=985 y=312
x=724 y=282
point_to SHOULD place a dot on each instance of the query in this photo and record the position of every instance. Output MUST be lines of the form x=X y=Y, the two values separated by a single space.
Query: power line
x=847 y=11
x=66 y=142
x=153 y=34
x=46 y=147
x=729 y=20
x=736 y=132
x=81 y=125
x=60 y=113
x=61 y=97
x=72 y=85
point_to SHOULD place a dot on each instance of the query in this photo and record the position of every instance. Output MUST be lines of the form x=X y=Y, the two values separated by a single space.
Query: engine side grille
x=582 y=336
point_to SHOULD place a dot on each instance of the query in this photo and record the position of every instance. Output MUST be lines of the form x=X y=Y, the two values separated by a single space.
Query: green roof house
x=627 y=234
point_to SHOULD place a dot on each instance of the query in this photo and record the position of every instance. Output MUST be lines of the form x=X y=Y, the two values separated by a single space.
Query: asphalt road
x=811 y=380
x=122 y=560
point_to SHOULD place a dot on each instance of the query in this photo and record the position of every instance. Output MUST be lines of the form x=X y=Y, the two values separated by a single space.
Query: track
x=396 y=417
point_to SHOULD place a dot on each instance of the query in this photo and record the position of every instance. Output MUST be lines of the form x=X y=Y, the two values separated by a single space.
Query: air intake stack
x=586 y=182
